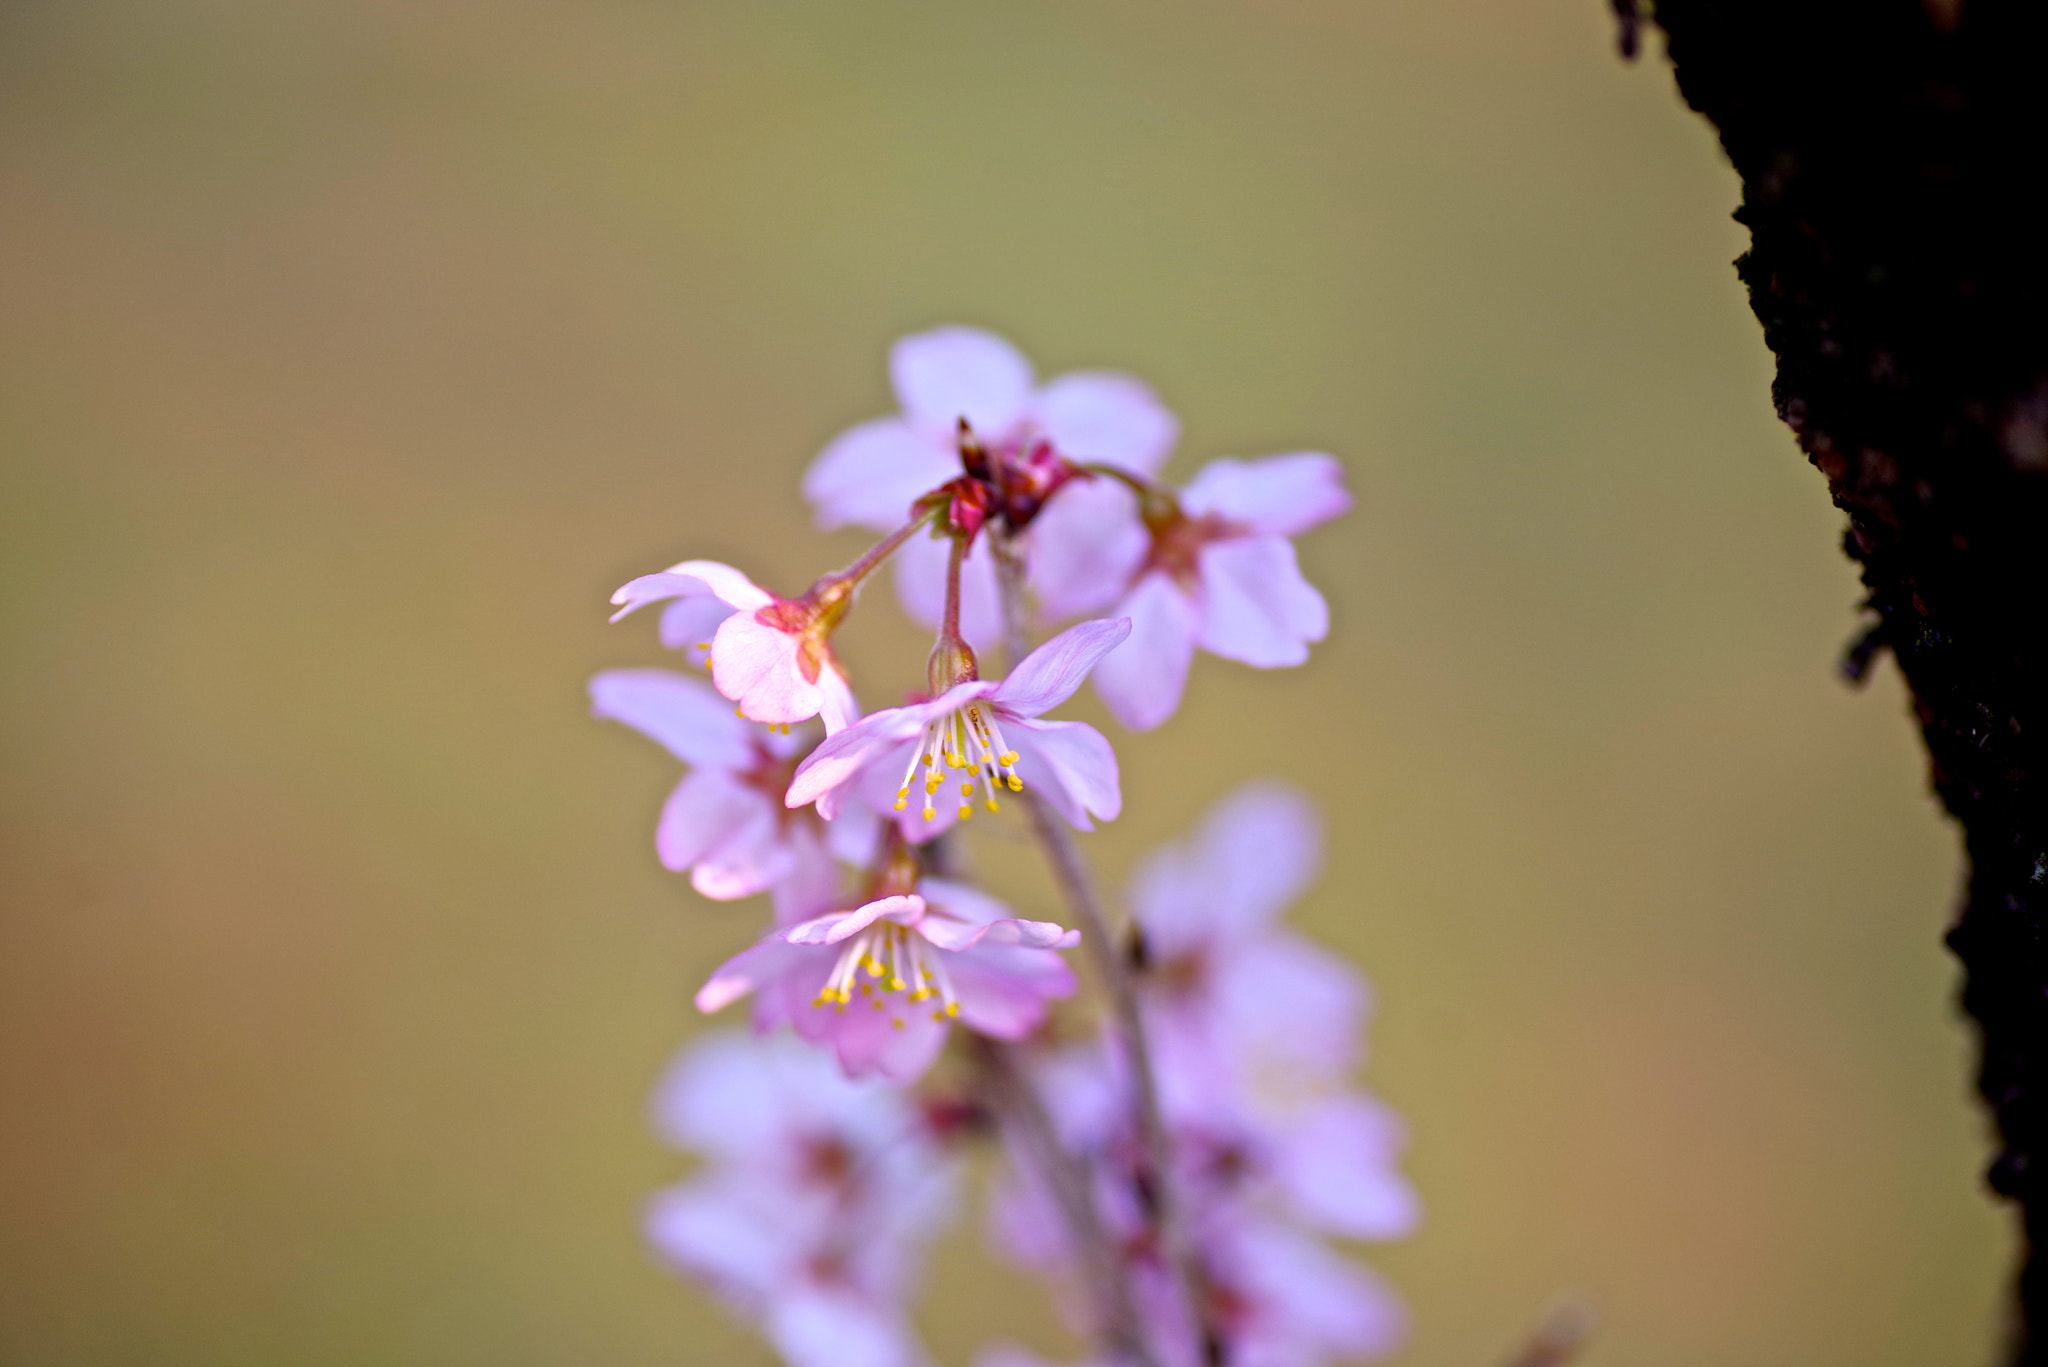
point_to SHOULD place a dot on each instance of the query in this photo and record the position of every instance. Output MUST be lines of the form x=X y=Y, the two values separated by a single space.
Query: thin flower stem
x=1070 y=871
x=949 y=627
x=1010 y=1094
x=883 y=549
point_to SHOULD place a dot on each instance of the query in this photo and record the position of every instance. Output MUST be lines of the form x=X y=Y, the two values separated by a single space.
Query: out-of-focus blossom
x=771 y=655
x=1224 y=981
x=870 y=474
x=818 y=1197
x=881 y=984
x=1218 y=571
x=1253 y=1033
x=980 y=729
x=725 y=822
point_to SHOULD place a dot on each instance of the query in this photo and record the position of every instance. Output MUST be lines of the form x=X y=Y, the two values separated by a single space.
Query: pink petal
x=1103 y=418
x=751 y=860
x=852 y=834
x=840 y=757
x=870 y=474
x=1255 y=853
x=869 y=1043
x=959 y=936
x=961 y=901
x=813 y=1326
x=635 y=594
x=837 y=708
x=706 y=1234
x=1141 y=680
x=1085 y=547
x=692 y=621
x=707 y=809
x=844 y=925
x=1277 y=496
x=811 y=886
x=951 y=373
x=1337 y=1167
x=1280 y=1003
x=755 y=665
x=726 y=582
x=1049 y=675
x=693 y=723
x=1072 y=765
x=763 y=963
x=1315 y=1295
x=1256 y=608
x=921 y=589
x=1003 y=990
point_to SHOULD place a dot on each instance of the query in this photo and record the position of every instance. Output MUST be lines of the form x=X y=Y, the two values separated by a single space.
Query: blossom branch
x=1155 y=1179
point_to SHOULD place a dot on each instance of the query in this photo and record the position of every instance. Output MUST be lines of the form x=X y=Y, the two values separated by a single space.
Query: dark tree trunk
x=1892 y=155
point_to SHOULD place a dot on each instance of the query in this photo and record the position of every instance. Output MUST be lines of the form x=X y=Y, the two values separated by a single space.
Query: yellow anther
x=896 y=984
x=939 y=1016
x=992 y=805
x=1016 y=784
x=878 y=1003
x=967 y=790
x=952 y=1008
x=703 y=645
x=898 y=1023
x=1007 y=757
x=901 y=803
x=929 y=813
x=966 y=812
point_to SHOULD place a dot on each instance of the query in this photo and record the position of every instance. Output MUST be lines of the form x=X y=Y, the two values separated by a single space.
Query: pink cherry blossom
x=1218 y=572
x=771 y=655
x=881 y=984
x=818 y=1197
x=870 y=474
x=724 y=822
x=981 y=730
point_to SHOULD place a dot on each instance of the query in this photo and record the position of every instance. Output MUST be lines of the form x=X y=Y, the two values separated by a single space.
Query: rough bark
x=1892 y=154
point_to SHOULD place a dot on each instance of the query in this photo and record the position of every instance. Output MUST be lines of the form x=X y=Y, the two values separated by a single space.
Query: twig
x=1010 y=1094
x=1155 y=1182
x=1559 y=1336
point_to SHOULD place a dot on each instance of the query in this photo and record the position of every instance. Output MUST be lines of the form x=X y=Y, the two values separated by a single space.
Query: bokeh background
x=351 y=351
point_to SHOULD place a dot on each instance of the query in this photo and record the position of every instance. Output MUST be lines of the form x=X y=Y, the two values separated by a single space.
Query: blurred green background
x=351 y=353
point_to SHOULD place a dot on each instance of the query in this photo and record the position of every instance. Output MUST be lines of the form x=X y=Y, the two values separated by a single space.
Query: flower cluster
x=1180 y=1172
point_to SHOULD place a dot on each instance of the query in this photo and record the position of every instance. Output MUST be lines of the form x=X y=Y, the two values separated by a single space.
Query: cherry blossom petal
x=811 y=886
x=704 y=1233
x=691 y=621
x=1256 y=608
x=870 y=474
x=836 y=926
x=1257 y=851
x=1141 y=680
x=1003 y=990
x=687 y=718
x=851 y=835
x=707 y=809
x=1072 y=766
x=1337 y=1169
x=1085 y=547
x=755 y=665
x=869 y=1041
x=752 y=859
x=836 y=707
x=1317 y=1299
x=1104 y=418
x=1277 y=496
x=829 y=1327
x=725 y=582
x=1049 y=675
x=635 y=594
x=840 y=757
x=1289 y=1009
x=753 y=968
x=921 y=589
x=962 y=901
x=952 y=373
x=960 y=936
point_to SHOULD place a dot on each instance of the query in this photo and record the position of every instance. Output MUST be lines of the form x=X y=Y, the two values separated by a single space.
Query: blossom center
x=968 y=740
x=889 y=965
